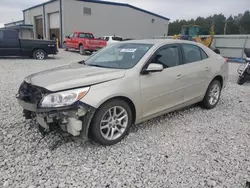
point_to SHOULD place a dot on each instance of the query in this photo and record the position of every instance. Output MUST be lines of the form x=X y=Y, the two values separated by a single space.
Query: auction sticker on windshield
x=132 y=50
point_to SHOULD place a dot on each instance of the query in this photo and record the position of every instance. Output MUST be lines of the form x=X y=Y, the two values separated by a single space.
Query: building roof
x=14 y=22
x=21 y=26
x=108 y=3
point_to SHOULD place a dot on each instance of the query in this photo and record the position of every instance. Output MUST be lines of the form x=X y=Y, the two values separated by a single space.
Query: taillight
x=227 y=60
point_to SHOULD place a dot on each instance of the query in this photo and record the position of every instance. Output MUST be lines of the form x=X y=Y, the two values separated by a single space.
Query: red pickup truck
x=83 y=41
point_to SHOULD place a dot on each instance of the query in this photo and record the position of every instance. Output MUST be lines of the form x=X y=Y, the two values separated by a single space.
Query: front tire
x=65 y=46
x=111 y=122
x=39 y=54
x=242 y=79
x=212 y=95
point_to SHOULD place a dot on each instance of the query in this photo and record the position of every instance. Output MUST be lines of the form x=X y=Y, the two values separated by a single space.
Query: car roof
x=112 y=36
x=161 y=41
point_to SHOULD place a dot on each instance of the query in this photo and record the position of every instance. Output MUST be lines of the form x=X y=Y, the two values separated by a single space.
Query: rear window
x=203 y=54
x=85 y=35
x=117 y=38
x=10 y=34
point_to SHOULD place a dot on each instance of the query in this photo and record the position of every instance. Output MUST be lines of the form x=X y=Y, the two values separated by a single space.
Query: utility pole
x=225 y=26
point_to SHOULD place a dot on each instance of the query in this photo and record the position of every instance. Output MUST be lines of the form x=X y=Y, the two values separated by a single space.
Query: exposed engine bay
x=74 y=119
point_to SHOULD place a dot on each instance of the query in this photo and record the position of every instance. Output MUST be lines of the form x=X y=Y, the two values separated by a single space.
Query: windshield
x=119 y=55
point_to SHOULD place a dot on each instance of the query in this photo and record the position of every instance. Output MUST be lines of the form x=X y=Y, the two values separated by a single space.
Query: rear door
x=197 y=72
x=9 y=43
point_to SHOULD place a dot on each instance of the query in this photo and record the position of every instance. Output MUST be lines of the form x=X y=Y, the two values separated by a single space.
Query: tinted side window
x=168 y=57
x=10 y=35
x=191 y=53
x=82 y=35
x=90 y=36
x=203 y=54
x=85 y=35
x=1 y=34
x=107 y=38
x=117 y=38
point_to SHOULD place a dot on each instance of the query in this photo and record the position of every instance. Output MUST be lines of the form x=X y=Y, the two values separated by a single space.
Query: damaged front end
x=63 y=110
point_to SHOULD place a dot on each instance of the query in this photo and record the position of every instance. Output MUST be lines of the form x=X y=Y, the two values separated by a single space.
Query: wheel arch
x=220 y=79
x=127 y=100
x=217 y=77
x=38 y=48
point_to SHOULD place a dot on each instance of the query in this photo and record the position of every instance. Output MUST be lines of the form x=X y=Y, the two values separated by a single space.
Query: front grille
x=30 y=93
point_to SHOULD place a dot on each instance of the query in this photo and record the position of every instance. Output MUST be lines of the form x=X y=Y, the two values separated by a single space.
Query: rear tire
x=212 y=95
x=111 y=122
x=242 y=79
x=82 y=51
x=39 y=54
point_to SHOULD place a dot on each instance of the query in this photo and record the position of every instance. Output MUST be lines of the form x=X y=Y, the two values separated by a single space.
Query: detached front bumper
x=73 y=119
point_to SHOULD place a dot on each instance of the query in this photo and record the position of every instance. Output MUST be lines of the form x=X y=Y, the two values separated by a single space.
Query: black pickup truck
x=11 y=45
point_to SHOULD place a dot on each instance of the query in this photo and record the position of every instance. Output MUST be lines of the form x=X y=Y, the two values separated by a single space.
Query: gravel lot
x=188 y=148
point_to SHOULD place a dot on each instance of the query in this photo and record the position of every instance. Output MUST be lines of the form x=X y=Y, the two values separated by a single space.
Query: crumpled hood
x=73 y=76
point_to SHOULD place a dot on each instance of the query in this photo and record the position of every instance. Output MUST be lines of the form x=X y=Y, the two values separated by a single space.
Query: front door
x=162 y=90
x=69 y=40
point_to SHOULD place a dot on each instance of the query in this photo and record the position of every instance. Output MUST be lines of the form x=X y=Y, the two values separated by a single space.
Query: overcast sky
x=11 y=10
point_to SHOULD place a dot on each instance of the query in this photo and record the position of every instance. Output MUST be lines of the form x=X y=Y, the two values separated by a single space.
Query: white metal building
x=99 y=17
x=25 y=31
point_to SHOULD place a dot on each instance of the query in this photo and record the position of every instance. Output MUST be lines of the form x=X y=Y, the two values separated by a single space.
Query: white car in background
x=112 y=39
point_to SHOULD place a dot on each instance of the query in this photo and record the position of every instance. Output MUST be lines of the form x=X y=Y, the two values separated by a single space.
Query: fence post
x=244 y=46
x=57 y=44
x=214 y=38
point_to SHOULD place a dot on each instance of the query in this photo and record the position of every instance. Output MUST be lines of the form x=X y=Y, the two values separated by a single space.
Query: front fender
x=100 y=93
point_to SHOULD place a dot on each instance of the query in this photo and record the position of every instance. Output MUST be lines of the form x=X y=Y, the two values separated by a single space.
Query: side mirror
x=82 y=62
x=153 y=67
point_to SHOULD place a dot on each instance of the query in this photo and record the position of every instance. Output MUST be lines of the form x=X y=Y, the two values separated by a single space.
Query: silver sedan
x=123 y=84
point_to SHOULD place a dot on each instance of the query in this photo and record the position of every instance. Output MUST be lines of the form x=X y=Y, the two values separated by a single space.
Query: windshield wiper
x=93 y=65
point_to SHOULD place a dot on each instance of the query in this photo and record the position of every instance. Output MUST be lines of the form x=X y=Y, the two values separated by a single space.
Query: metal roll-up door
x=54 y=20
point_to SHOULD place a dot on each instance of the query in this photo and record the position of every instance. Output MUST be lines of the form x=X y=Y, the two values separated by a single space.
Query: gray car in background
x=123 y=84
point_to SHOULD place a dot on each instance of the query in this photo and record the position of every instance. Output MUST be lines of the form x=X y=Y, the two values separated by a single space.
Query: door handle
x=207 y=68
x=178 y=76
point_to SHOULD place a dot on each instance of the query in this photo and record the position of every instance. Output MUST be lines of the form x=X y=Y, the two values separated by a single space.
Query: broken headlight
x=64 y=98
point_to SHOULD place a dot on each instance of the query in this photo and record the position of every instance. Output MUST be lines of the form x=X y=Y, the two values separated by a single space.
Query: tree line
x=239 y=24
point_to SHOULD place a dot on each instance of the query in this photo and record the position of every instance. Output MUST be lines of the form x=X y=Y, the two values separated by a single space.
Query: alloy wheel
x=214 y=94
x=40 y=55
x=114 y=123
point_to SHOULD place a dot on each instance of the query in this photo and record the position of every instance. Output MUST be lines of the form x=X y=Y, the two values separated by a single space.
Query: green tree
x=219 y=22
x=232 y=26
x=239 y=24
x=245 y=23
